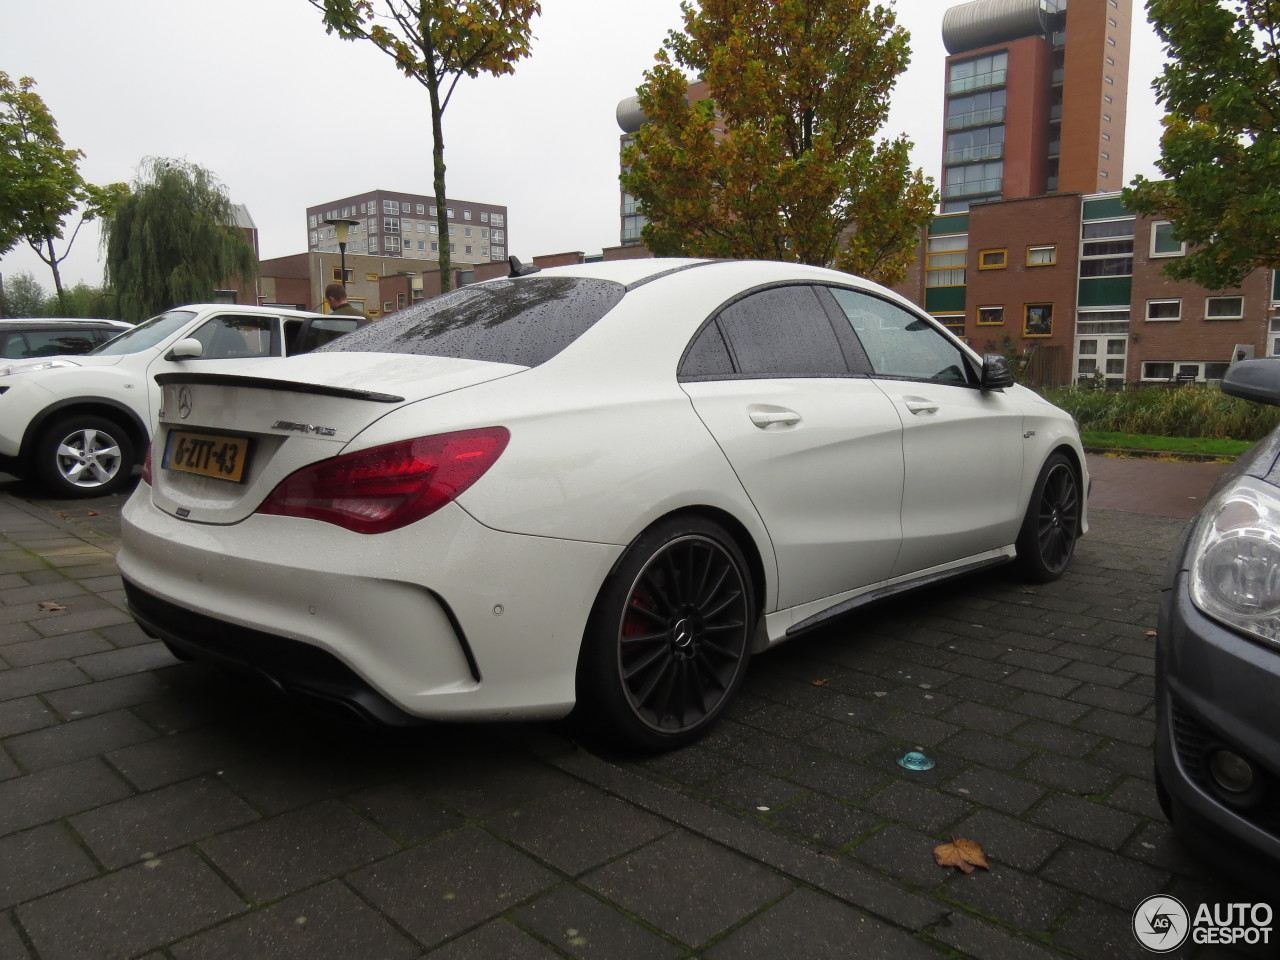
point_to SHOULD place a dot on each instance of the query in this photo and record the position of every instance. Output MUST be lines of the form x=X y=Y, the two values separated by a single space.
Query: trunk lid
x=225 y=440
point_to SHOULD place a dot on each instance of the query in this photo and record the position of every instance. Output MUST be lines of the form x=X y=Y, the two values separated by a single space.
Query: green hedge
x=1190 y=410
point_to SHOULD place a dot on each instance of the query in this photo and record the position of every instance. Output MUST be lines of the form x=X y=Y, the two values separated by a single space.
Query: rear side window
x=523 y=320
x=783 y=332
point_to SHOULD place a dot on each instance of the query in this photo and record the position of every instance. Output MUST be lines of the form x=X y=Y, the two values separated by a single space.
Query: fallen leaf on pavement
x=821 y=683
x=1151 y=633
x=50 y=605
x=960 y=853
x=91 y=513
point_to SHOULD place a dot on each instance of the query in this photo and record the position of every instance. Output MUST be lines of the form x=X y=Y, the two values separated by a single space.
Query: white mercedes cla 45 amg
x=595 y=489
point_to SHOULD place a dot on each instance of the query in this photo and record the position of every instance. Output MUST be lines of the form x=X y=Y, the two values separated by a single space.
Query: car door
x=961 y=446
x=230 y=340
x=816 y=446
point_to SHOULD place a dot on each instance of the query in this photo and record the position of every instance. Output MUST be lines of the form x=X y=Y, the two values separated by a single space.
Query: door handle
x=767 y=418
x=918 y=405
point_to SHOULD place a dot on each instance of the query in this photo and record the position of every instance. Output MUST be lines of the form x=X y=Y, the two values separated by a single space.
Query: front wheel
x=85 y=456
x=1051 y=526
x=669 y=637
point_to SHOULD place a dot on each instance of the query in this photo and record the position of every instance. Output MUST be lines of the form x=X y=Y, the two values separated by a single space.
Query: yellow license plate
x=207 y=454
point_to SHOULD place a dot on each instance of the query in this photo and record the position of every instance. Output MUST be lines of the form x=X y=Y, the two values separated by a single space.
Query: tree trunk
x=57 y=278
x=442 y=212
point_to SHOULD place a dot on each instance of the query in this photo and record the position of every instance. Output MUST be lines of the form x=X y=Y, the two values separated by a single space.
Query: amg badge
x=304 y=428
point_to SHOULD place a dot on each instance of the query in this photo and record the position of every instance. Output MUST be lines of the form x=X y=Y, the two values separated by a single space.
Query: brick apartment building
x=394 y=224
x=1076 y=282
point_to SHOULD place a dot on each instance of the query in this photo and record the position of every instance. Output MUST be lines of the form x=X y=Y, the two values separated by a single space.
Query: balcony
x=986 y=151
x=980 y=81
x=976 y=118
x=974 y=188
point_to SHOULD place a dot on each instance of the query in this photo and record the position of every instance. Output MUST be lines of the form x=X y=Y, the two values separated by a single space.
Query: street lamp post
x=341 y=225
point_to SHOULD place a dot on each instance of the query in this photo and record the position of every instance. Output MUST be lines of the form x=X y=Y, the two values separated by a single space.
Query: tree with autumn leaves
x=1220 y=150
x=781 y=160
x=437 y=43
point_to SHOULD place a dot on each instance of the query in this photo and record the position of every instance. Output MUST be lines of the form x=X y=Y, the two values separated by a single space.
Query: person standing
x=335 y=294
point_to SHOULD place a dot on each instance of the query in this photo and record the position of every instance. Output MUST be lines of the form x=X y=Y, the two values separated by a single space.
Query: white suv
x=81 y=424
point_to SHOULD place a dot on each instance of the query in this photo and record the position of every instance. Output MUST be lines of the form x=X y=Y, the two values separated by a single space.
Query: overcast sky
x=287 y=116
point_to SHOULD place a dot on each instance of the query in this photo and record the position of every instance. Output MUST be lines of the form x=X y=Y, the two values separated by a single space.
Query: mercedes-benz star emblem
x=184 y=403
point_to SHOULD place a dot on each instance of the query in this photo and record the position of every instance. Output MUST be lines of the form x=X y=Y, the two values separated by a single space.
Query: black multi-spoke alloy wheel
x=1052 y=524
x=85 y=456
x=669 y=637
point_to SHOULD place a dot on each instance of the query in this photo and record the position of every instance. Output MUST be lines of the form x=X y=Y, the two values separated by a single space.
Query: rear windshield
x=524 y=321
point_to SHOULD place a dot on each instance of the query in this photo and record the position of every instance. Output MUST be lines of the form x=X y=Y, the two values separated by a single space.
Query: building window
x=1162 y=242
x=337 y=277
x=373 y=244
x=466 y=214
x=386 y=306
x=497 y=219
x=1105 y=155
x=448 y=212
x=1224 y=308
x=419 y=208
x=1164 y=309
x=435 y=246
x=390 y=206
x=422 y=244
x=945 y=260
x=420 y=226
x=1108 y=98
x=990 y=316
x=499 y=253
x=1106 y=248
x=1038 y=320
x=433 y=227
x=484 y=233
x=435 y=211
x=466 y=231
x=1043 y=256
x=467 y=250
x=993 y=259
x=390 y=224
x=1184 y=371
x=399 y=301
x=499 y=235
x=484 y=216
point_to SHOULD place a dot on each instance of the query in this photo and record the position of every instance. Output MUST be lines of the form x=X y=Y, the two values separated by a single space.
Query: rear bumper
x=443 y=619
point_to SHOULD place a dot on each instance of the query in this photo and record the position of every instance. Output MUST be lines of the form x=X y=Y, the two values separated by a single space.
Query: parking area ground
x=158 y=809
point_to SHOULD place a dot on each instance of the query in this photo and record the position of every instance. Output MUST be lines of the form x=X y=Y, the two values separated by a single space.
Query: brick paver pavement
x=157 y=809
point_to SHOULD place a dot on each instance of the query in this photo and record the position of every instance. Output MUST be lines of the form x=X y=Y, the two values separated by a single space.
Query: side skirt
x=874 y=596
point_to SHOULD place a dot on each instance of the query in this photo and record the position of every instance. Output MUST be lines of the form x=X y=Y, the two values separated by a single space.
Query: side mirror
x=995 y=373
x=188 y=348
x=1256 y=380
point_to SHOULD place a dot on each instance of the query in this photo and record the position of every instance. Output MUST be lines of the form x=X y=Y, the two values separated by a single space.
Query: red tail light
x=146 y=466
x=388 y=487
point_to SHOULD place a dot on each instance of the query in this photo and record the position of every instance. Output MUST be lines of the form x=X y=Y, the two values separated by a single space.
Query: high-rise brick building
x=1035 y=98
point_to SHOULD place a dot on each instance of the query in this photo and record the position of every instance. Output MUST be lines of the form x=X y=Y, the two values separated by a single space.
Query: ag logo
x=1161 y=924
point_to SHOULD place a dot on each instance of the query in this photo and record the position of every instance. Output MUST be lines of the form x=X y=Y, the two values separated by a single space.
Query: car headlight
x=28 y=366
x=1234 y=559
